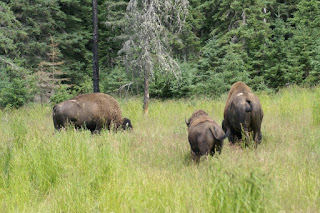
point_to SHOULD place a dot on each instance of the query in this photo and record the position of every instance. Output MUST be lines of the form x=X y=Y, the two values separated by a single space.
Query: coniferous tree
x=113 y=23
x=49 y=74
x=277 y=70
x=147 y=45
x=68 y=21
x=16 y=82
x=306 y=22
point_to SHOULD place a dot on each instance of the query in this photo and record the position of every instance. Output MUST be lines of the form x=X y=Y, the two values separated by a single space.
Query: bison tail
x=250 y=107
x=226 y=135
x=213 y=132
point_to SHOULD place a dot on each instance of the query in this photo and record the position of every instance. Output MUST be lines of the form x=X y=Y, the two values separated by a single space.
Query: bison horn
x=185 y=120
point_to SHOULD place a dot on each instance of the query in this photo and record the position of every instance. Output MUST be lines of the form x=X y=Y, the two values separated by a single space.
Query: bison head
x=126 y=124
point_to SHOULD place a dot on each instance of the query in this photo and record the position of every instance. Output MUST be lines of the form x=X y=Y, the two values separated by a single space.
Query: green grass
x=150 y=168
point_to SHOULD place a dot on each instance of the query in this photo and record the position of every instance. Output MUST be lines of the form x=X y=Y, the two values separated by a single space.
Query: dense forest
x=46 y=47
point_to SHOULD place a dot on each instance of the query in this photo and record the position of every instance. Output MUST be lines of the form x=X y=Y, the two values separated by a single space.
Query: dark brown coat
x=204 y=134
x=242 y=113
x=92 y=111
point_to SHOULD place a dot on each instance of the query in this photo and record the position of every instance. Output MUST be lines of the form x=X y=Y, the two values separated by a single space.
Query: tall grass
x=150 y=170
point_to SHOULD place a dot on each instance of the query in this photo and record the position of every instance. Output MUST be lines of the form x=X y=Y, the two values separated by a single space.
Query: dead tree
x=149 y=22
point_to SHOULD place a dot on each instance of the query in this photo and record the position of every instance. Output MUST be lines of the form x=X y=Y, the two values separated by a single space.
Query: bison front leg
x=195 y=157
x=232 y=138
x=96 y=130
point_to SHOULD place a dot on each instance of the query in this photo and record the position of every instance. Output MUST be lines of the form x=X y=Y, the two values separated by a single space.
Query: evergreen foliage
x=268 y=44
x=17 y=85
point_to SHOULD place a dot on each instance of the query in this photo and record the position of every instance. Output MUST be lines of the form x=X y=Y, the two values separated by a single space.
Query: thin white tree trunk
x=146 y=92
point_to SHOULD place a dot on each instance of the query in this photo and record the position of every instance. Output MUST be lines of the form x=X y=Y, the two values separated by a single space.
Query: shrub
x=61 y=93
x=17 y=86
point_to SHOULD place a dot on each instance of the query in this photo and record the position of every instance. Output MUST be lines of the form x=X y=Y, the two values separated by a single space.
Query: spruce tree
x=277 y=69
x=306 y=22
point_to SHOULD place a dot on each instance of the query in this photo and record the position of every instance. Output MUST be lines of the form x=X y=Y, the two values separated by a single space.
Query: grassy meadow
x=150 y=169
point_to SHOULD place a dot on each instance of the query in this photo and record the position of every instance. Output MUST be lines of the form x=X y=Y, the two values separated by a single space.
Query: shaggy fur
x=93 y=111
x=204 y=134
x=242 y=113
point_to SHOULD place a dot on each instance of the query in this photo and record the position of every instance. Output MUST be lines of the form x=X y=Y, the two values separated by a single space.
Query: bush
x=114 y=79
x=61 y=93
x=166 y=85
x=17 y=87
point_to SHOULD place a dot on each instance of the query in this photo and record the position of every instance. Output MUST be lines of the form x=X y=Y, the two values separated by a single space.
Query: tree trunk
x=95 y=76
x=244 y=18
x=146 y=92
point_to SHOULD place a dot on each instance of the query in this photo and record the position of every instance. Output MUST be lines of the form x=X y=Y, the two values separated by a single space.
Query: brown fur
x=236 y=88
x=201 y=119
x=204 y=134
x=196 y=114
x=93 y=110
x=243 y=112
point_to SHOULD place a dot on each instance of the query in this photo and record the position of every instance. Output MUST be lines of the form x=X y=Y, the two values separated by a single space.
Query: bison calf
x=204 y=134
x=92 y=111
x=242 y=114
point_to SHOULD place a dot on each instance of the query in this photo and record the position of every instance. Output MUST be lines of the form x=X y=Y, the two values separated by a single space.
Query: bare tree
x=149 y=24
x=95 y=76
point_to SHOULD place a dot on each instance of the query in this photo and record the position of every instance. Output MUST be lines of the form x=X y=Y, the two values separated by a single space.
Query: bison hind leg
x=233 y=138
x=257 y=138
x=217 y=148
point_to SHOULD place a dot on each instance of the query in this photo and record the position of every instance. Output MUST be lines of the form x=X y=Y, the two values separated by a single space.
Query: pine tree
x=49 y=75
x=303 y=42
x=277 y=70
x=111 y=30
x=16 y=82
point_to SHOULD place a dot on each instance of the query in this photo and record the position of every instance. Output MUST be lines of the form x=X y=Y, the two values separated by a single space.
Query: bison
x=93 y=111
x=204 y=134
x=242 y=114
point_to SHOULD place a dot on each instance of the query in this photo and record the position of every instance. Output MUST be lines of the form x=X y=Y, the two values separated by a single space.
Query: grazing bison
x=204 y=134
x=242 y=113
x=92 y=111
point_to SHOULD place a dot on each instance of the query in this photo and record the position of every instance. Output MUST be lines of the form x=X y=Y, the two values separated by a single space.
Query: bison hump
x=200 y=119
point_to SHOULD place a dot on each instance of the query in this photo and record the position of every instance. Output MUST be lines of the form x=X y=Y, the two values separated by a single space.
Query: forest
x=189 y=53
x=191 y=48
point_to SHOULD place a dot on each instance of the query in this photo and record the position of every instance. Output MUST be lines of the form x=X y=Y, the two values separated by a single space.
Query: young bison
x=92 y=111
x=204 y=134
x=242 y=113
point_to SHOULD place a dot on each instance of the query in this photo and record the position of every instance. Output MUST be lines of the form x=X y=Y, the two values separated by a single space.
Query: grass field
x=150 y=170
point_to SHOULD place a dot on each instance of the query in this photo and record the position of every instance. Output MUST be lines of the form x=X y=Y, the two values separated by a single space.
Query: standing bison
x=92 y=111
x=242 y=114
x=204 y=134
